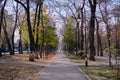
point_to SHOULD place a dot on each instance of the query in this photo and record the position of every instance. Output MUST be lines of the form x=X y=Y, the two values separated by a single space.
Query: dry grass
x=15 y=58
x=24 y=58
x=46 y=59
x=21 y=71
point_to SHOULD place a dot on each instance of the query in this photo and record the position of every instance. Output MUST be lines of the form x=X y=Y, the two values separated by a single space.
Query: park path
x=61 y=68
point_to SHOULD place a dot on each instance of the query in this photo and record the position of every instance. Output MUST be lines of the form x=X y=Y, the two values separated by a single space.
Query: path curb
x=80 y=70
x=83 y=73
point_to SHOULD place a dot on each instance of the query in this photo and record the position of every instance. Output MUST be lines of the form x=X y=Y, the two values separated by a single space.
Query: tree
x=6 y=36
x=99 y=42
x=76 y=9
x=82 y=22
x=116 y=28
x=15 y=25
x=38 y=12
x=51 y=39
x=1 y=15
x=3 y=24
x=105 y=17
x=36 y=25
x=69 y=36
x=27 y=9
x=22 y=27
x=93 y=4
x=1 y=19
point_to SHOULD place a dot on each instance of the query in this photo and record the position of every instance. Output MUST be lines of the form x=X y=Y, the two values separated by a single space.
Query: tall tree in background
x=105 y=17
x=15 y=25
x=3 y=24
x=99 y=42
x=116 y=31
x=69 y=35
x=1 y=19
x=36 y=24
x=21 y=22
x=31 y=37
x=93 y=4
x=82 y=22
x=77 y=14
x=1 y=15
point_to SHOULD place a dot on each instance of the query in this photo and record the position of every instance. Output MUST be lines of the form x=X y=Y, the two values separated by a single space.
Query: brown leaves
x=18 y=72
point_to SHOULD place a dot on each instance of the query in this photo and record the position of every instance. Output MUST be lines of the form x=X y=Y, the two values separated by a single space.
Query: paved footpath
x=61 y=68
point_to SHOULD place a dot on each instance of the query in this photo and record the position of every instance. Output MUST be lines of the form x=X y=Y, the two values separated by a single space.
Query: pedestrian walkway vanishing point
x=61 y=68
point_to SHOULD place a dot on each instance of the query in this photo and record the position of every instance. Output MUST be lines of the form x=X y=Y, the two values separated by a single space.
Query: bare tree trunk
x=15 y=26
x=105 y=20
x=85 y=37
x=109 y=44
x=20 y=43
x=82 y=21
x=101 y=47
x=27 y=9
x=37 y=28
x=1 y=16
x=35 y=20
x=86 y=51
x=1 y=20
x=82 y=38
x=38 y=24
x=99 y=43
x=93 y=4
x=13 y=46
x=7 y=38
x=32 y=47
x=43 y=35
x=117 y=43
x=77 y=38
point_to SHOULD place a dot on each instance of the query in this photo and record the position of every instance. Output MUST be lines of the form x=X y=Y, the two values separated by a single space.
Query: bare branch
x=21 y=4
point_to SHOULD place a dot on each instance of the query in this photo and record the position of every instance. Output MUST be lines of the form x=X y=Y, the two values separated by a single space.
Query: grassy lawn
x=96 y=72
x=73 y=57
x=101 y=73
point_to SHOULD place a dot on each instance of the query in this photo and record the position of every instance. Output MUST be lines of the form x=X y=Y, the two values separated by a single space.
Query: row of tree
x=90 y=26
x=36 y=29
